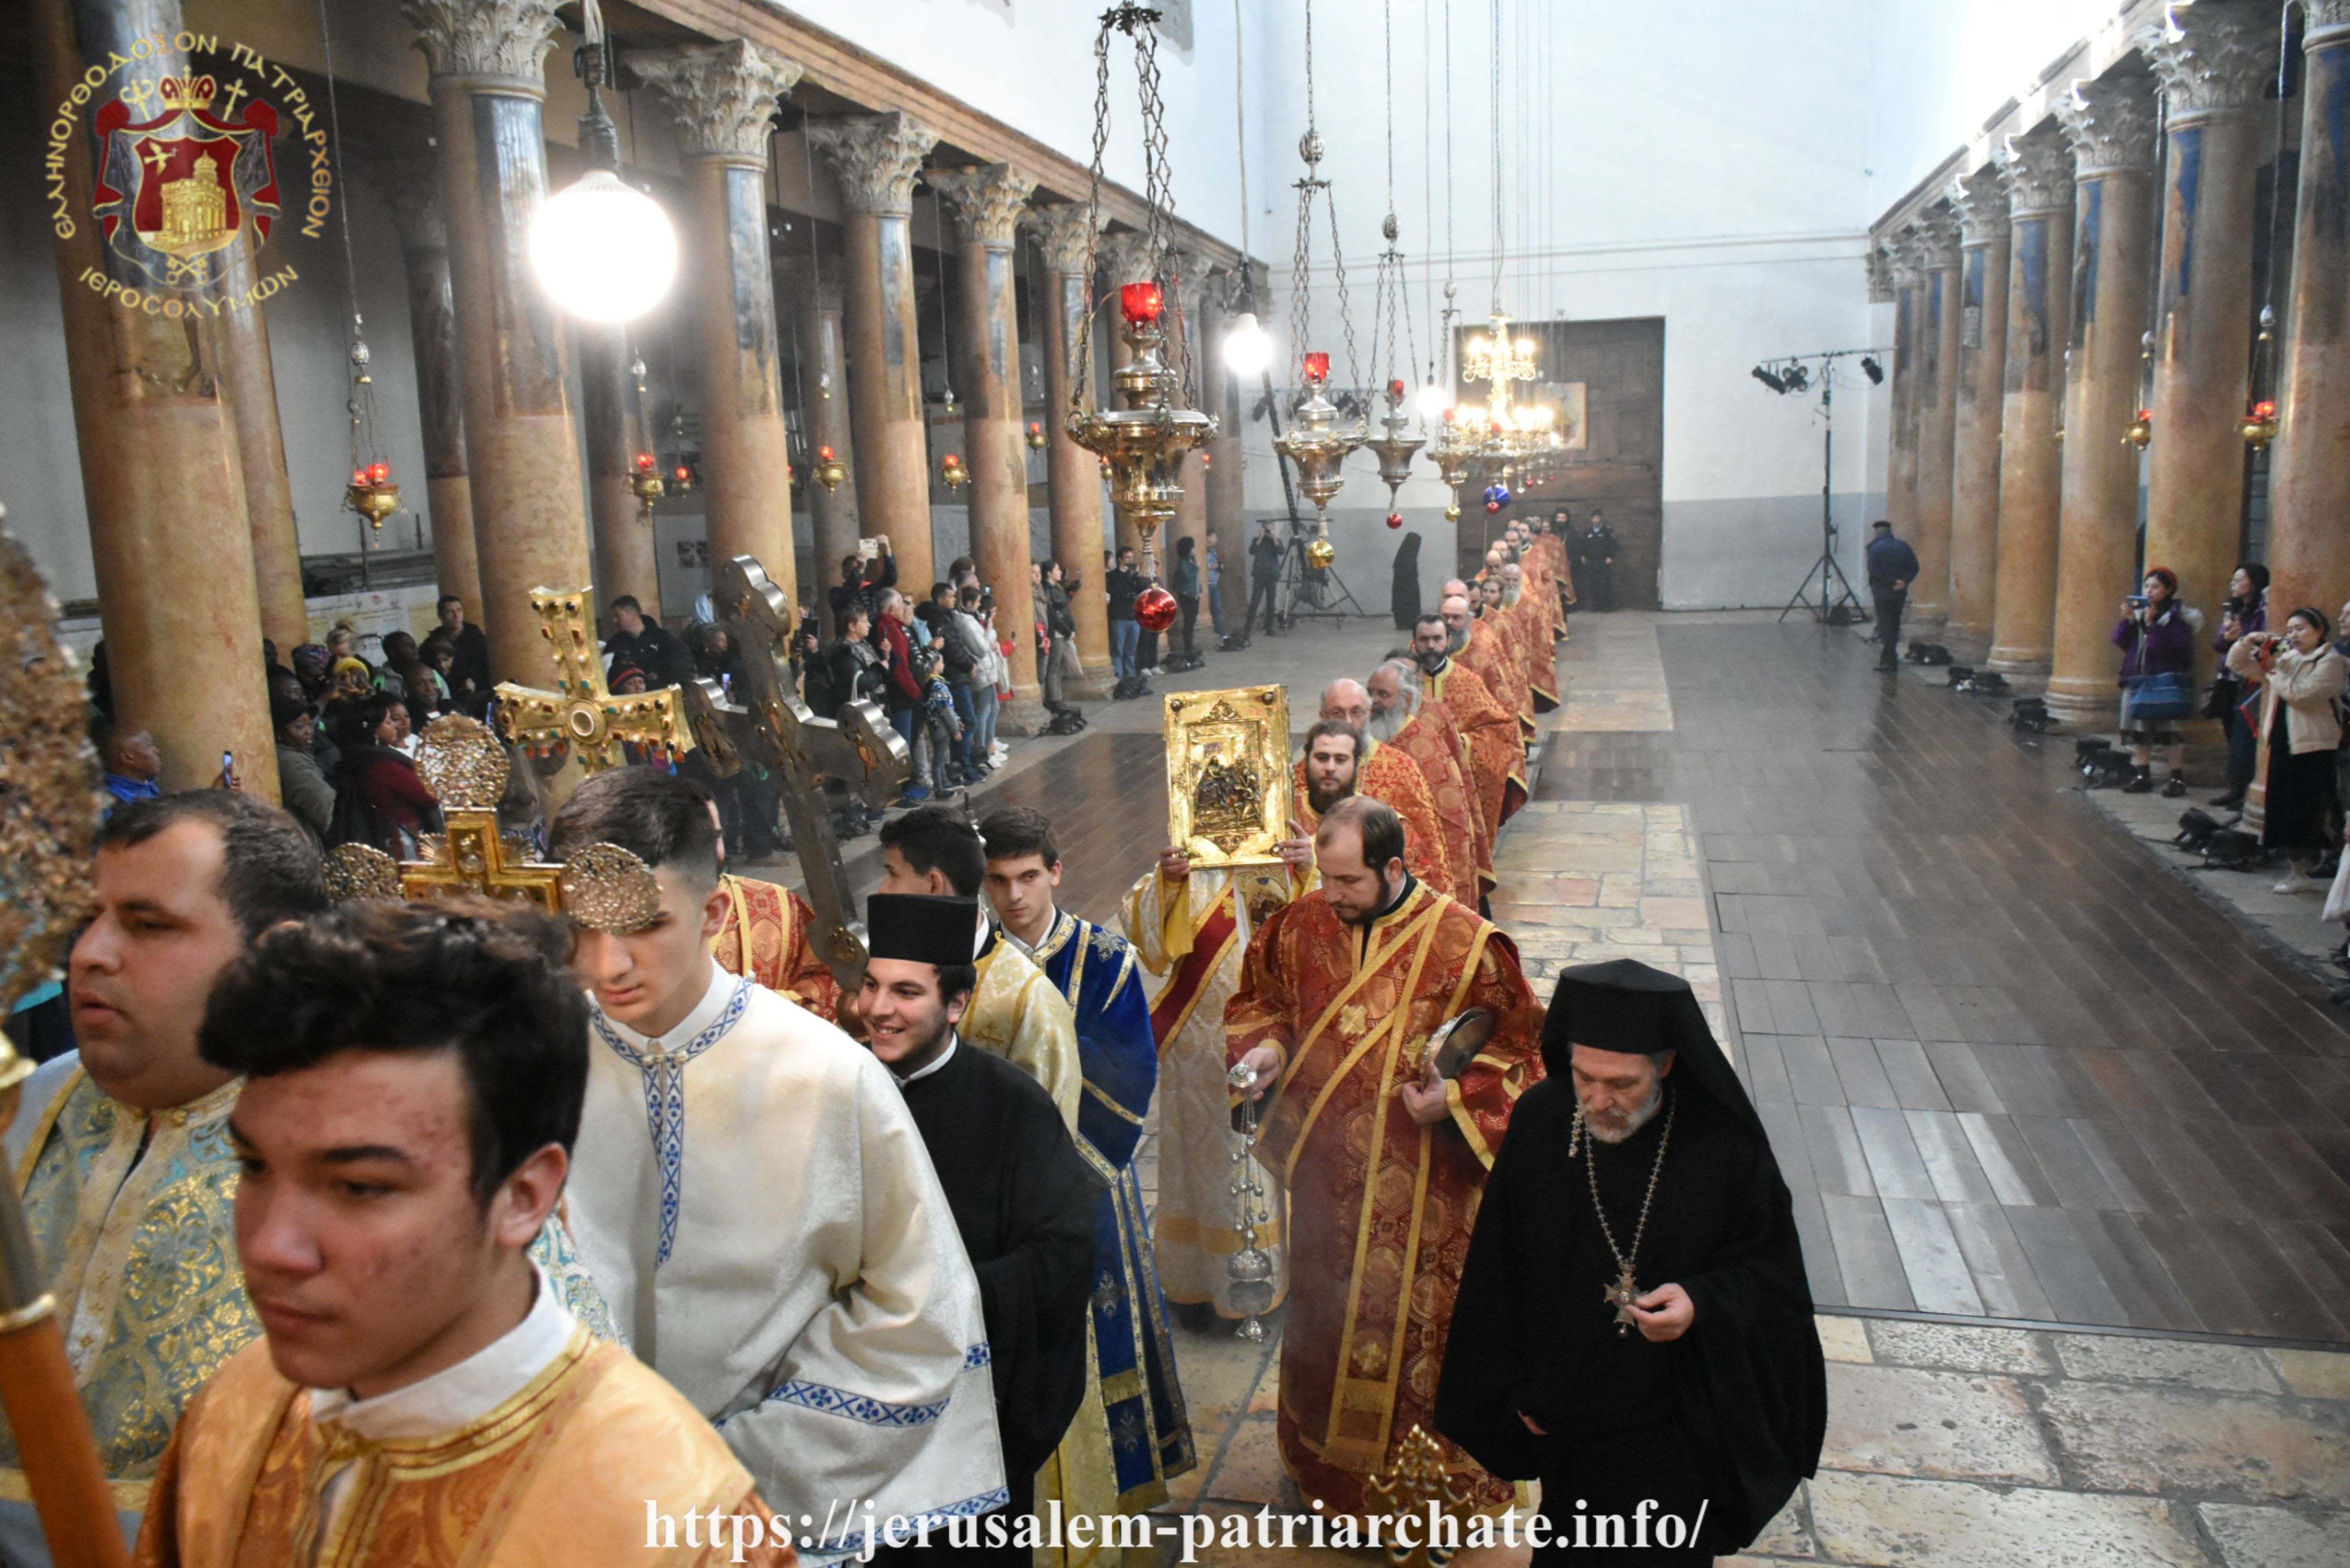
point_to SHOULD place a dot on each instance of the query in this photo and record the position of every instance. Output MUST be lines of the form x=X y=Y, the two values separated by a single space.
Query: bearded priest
x=755 y=1199
x=1384 y=773
x=423 y=1399
x=1381 y=1155
x=1402 y=720
x=1635 y=1326
x=1497 y=747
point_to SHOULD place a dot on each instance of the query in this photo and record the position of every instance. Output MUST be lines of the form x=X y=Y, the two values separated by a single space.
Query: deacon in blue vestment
x=1148 y=1435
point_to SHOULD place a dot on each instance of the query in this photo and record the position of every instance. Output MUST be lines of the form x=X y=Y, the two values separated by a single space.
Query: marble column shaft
x=1185 y=340
x=875 y=158
x=626 y=559
x=2038 y=175
x=1938 y=407
x=1076 y=480
x=530 y=522
x=1982 y=206
x=2211 y=79
x=1901 y=464
x=988 y=204
x=1227 y=468
x=824 y=370
x=160 y=466
x=414 y=194
x=2111 y=127
x=723 y=97
x=2309 y=526
x=251 y=387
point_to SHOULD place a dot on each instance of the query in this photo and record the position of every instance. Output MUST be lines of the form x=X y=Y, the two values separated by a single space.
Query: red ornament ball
x=1154 y=609
x=1492 y=506
x=1395 y=519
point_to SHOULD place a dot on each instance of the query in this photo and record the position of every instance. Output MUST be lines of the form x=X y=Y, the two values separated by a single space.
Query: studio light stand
x=1794 y=374
x=1307 y=590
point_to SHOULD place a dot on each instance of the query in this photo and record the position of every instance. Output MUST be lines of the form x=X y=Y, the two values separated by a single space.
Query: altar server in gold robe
x=422 y=1398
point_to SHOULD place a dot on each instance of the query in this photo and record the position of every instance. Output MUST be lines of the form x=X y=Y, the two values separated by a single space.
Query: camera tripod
x=1304 y=583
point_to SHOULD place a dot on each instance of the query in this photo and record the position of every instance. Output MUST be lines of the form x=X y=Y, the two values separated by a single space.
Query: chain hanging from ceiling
x=1142 y=441
x=1314 y=443
x=1392 y=317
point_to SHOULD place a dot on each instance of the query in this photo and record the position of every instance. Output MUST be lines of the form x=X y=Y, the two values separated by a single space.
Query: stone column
x=2039 y=179
x=2111 y=127
x=1220 y=395
x=2308 y=519
x=988 y=204
x=530 y=525
x=158 y=438
x=724 y=98
x=1938 y=407
x=414 y=196
x=875 y=158
x=2212 y=71
x=1186 y=354
x=1075 y=483
x=815 y=295
x=1901 y=464
x=1982 y=208
x=251 y=387
x=626 y=560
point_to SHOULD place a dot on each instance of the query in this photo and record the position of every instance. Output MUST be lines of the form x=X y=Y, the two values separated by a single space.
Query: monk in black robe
x=1634 y=1326
x=1022 y=1196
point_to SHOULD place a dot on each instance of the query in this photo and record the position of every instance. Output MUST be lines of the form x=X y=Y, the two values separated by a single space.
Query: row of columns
x=179 y=426
x=2019 y=317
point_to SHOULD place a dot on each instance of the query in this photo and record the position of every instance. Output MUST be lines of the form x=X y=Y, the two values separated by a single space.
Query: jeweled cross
x=582 y=712
x=773 y=728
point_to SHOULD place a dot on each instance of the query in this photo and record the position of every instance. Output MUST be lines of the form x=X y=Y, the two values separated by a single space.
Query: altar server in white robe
x=757 y=1203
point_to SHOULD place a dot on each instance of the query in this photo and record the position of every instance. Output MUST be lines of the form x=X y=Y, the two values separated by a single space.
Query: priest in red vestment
x=1382 y=1158
x=1402 y=720
x=1497 y=748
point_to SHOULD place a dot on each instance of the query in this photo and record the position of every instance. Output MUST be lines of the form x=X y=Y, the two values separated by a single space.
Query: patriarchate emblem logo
x=175 y=192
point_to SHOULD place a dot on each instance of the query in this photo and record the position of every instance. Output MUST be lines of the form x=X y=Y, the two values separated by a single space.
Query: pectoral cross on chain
x=1623 y=1294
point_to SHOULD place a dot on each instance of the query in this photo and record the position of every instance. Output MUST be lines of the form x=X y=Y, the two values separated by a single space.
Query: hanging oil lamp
x=1311 y=444
x=1394 y=449
x=1037 y=438
x=951 y=473
x=372 y=493
x=645 y=480
x=2259 y=424
x=830 y=472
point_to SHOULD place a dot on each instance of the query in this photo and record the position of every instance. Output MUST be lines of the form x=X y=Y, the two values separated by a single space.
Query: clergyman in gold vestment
x=422 y=1397
x=1383 y=1162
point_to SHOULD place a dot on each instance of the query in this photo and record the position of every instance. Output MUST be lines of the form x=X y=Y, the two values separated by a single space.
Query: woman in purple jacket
x=2156 y=638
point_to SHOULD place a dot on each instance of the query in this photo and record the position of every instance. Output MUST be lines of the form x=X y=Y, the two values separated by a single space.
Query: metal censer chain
x=1250 y=1270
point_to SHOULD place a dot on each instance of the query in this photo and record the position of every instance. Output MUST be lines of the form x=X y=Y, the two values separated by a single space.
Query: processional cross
x=774 y=729
x=582 y=712
x=463 y=764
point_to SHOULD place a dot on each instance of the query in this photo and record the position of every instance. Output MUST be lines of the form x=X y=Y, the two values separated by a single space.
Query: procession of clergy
x=409 y=1234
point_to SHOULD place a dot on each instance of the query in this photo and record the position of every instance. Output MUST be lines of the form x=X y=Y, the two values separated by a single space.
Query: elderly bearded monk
x=1635 y=1326
x=1400 y=720
x=1497 y=750
x=1381 y=1157
x=1385 y=774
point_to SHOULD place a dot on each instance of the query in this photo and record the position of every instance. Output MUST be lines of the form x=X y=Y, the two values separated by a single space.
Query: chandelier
x=1142 y=441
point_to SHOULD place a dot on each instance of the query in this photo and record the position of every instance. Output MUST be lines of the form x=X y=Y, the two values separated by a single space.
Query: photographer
x=2157 y=637
x=1061 y=624
x=2246 y=611
x=2303 y=677
x=1125 y=584
x=862 y=580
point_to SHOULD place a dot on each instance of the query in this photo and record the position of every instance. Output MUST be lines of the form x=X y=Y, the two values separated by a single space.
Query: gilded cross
x=463 y=764
x=471 y=857
x=582 y=712
x=773 y=728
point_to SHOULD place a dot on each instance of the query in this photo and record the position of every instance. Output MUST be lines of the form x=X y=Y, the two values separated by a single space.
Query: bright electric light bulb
x=1433 y=400
x=1248 y=347
x=603 y=250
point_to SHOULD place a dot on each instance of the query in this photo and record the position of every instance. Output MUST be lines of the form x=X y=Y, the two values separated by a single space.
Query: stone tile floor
x=1615 y=677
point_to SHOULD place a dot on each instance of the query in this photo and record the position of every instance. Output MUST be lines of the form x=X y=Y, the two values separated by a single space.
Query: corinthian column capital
x=875 y=157
x=2110 y=124
x=724 y=95
x=1935 y=232
x=2038 y=173
x=502 y=38
x=1880 y=277
x=1061 y=233
x=988 y=199
x=1904 y=258
x=2328 y=24
x=2212 y=58
x=1980 y=206
x=1128 y=256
